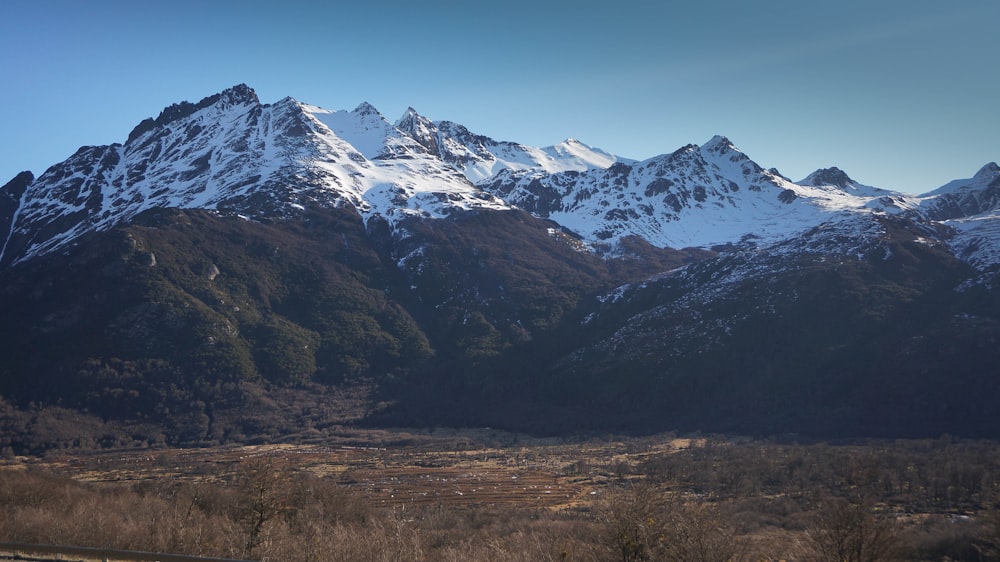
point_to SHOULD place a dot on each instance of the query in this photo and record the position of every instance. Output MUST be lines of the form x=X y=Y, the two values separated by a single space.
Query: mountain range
x=238 y=270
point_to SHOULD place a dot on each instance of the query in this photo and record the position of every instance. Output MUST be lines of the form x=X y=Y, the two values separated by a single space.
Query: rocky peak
x=409 y=119
x=419 y=128
x=18 y=183
x=240 y=94
x=366 y=109
x=718 y=145
x=988 y=171
x=721 y=149
x=828 y=177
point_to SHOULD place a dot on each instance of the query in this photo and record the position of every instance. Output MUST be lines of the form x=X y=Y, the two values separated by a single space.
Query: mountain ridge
x=241 y=157
x=233 y=256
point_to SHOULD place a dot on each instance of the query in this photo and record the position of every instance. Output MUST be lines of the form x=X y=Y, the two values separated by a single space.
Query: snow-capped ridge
x=723 y=152
x=232 y=154
x=697 y=196
x=581 y=156
x=984 y=177
x=719 y=144
x=241 y=94
x=480 y=157
x=704 y=195
x=367 y=131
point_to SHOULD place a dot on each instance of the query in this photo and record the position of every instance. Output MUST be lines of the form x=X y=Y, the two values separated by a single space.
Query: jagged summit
x=408 y=116
x=232 y=154
x=241 y=94
x=480 y=157
x=420 y=129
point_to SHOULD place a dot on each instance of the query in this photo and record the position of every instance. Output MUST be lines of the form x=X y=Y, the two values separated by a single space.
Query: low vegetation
x=170 y=329
x=185 y=328
x=490 y=496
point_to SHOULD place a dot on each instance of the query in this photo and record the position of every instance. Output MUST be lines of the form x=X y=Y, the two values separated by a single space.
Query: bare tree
x=851 y=531
x=645 y=524
x=630 y=516
x=699 y=532
x=260 y=500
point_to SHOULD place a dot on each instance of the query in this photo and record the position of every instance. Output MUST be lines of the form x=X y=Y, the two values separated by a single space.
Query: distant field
x=450 y=469
x=488 y=495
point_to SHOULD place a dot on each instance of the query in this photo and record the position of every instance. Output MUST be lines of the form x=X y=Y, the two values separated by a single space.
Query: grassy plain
x=489 y=495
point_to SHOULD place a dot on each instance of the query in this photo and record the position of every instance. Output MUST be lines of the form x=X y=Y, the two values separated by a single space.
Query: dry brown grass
x=484 y=496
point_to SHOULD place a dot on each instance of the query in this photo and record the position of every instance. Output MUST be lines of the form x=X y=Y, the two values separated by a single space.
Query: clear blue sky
x=901 y=94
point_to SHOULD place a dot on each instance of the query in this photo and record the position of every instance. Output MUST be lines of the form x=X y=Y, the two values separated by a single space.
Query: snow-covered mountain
x=229 y=250
x=235 y=155
x=703 y=196
x=835 y=177
x=966 y=197
x=481 y=158
x=972 y=208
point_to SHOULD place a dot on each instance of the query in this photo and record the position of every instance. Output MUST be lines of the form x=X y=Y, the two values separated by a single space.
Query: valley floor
x=488 y=495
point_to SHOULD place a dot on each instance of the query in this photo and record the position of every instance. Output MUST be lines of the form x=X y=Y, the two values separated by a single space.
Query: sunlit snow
x=249 y=159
